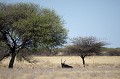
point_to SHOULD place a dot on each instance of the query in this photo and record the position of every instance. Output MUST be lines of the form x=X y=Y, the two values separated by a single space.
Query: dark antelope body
x=65 y=65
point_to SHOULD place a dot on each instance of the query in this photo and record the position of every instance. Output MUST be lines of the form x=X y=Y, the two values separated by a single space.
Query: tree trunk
x=12 y=61
x=13 y=55
x=83 y=59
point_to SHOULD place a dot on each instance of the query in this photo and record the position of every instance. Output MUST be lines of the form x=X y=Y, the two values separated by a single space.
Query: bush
x=114 y=53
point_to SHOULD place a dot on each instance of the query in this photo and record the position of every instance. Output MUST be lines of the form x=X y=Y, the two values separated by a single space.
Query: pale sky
x=99 y=18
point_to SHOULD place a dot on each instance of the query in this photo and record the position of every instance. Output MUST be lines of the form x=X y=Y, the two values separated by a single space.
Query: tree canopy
x=27 y=26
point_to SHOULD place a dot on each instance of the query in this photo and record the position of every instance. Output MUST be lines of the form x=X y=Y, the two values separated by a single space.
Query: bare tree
x=65 y=65
x=84 y=46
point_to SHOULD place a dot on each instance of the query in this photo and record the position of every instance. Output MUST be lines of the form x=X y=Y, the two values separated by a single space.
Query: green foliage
x=28 y=26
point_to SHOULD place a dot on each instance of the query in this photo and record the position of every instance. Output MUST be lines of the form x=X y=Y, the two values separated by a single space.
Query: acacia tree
x=25 y=26
x=84 y=46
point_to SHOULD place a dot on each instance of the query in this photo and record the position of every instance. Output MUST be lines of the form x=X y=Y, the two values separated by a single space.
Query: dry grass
x=98 y=67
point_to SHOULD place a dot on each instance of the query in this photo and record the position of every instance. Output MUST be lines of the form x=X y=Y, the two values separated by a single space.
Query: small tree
x=84 y=46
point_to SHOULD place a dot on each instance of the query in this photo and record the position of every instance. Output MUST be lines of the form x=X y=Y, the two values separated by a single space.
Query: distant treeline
x=66 y=52
x=104 y=52
x=111 y=51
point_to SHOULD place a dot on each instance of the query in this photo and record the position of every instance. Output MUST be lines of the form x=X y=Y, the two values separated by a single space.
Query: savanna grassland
x=97 y=67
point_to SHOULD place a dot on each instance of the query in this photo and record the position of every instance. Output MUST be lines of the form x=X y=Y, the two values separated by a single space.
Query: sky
x=99 y=18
